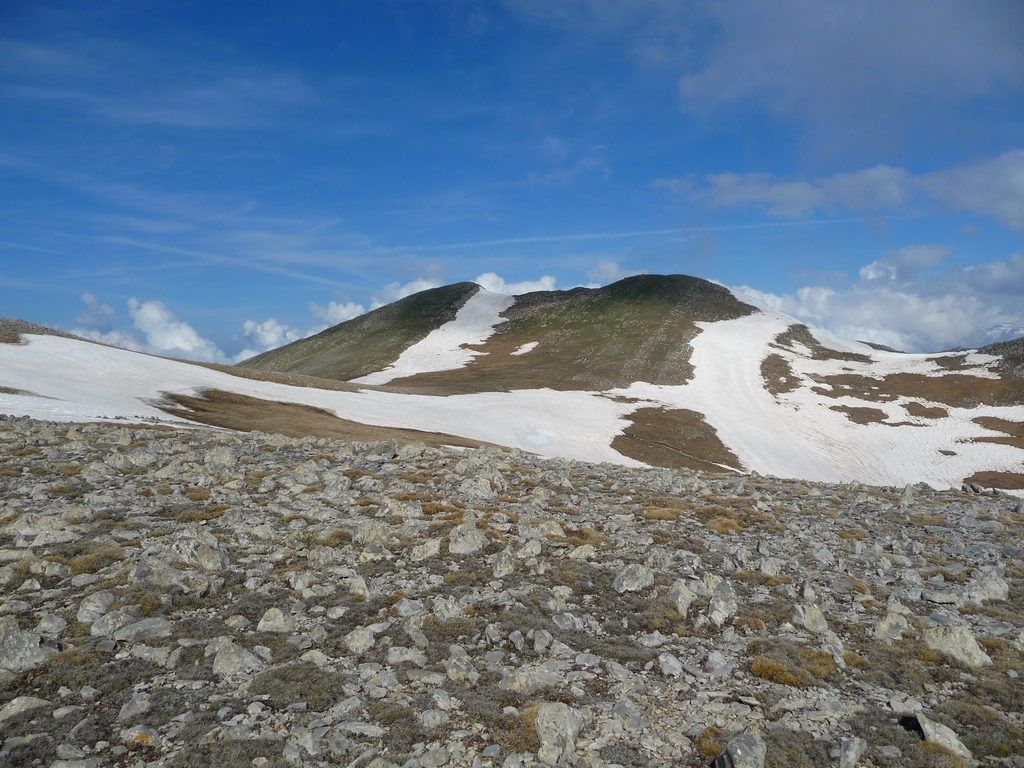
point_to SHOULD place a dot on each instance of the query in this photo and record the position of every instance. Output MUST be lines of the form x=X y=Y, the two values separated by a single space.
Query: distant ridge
x=11 y=331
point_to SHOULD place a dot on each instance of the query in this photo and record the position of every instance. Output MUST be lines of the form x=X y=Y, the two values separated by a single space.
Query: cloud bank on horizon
x=178 y=182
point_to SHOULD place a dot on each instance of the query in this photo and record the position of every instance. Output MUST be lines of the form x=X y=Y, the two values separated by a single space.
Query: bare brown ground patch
x=245 y=414
x=13 y=391
x=1013 y=430
x=861 y=415
x=802 y=334
x=778 y=375
x=1008 y=481
x=289 y=379
x=953 y=362
x=924 y=412
x=674 y=438
x=955 y=390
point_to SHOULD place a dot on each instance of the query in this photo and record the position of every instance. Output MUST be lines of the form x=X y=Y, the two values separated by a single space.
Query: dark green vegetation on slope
x=637 y=329
x=369 y=342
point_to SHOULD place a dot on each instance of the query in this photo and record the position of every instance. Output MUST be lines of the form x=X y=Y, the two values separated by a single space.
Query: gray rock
x=504 y=564
x=276 y=620
x=232 y=660
x=937 y=733
x=682 y=596
x=139 y=704
x=891 y=627
x=141 y=631
x=20 y=705
x=199 y=553
x=95 y=605
x=21 y=650
x=957 y=642
x=558 y=725
x=633 y=578
x=850 y=752
x=466 y=539
x=810 y=618
x=745 y=751
x=723 y=603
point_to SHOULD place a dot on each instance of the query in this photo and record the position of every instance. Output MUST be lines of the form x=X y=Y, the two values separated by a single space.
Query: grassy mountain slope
x=369 y=342
x=637 y=329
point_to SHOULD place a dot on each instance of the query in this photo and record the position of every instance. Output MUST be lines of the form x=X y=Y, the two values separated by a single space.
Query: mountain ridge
x=654 y=370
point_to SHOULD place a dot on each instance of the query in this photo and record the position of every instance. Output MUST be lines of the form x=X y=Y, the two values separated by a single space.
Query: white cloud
x=335 y=312
x=905 y=263
x=490 y=281
x=609 y=271
x=989 y=187
x=165 y=334
x=873 y=189
x=122 y=339
x=265 y=336
x=395 y=291
x=95 y=316
x=896 y=305
x=855 y=72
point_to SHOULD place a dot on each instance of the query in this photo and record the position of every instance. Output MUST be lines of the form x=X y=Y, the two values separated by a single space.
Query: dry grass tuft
x=790 y=664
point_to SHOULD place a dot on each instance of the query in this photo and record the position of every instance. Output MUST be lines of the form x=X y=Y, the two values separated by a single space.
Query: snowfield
x=793 y=435
x=79 y=381
x=798 y=435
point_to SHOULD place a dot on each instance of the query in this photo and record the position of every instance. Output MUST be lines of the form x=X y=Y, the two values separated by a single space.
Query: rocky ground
x=190 y=598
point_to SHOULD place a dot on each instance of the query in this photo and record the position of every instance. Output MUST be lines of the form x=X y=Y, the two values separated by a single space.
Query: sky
x=212 y=180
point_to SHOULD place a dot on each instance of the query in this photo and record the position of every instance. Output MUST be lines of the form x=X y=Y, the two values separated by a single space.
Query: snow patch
x=444 y=348
x=524 y=348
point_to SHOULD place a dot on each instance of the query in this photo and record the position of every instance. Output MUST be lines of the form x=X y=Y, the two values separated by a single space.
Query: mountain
x=637 y=329
x=668 y=371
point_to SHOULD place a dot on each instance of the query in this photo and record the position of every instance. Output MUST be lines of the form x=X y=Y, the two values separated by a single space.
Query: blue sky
x=208 y=180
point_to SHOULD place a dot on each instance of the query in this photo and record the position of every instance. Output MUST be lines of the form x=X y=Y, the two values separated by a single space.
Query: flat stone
x=20 y=705
x=141 y=631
